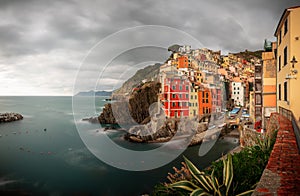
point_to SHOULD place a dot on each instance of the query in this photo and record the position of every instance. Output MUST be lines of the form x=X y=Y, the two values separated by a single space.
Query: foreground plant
x=204 y=184
x=248 y=166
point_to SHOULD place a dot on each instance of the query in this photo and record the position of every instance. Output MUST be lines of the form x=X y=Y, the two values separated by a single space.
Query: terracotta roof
x=236 y=79
x=222 y=72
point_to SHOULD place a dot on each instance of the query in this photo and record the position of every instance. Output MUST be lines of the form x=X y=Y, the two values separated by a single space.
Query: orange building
x=269 y=80
x=204 y=100
x=183 y=62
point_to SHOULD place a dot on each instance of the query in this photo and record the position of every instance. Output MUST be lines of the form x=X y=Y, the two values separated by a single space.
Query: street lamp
x=293 y=73
x=294 y=61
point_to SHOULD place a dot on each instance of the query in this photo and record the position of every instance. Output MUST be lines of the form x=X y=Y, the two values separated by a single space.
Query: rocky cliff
x=133 y=109
x=149 y=73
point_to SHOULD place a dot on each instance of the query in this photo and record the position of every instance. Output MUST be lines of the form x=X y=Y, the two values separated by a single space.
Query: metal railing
x=289 y=115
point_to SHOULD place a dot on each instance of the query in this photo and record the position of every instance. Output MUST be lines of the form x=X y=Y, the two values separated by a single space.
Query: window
x=195 y=96
x=285 y=91
x=258 y=99
x=173 y=96
x=180 y=87
x=238 y=88
x=238 y=92
x=279 y=91
x=191 y=96
x=187 y=87
x=285 y=26
x=186 y=96
x=285 y=56
x=180 y=96
x=174 y=87
x=279 y=38
x=173 y=104
x=234 y=88
x=279 y=63
x=234 y=92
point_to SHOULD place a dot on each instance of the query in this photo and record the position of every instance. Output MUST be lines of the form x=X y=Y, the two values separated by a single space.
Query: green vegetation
x=239 y=173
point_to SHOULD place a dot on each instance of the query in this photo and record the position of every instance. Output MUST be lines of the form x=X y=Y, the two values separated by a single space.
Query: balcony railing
x=289 y=115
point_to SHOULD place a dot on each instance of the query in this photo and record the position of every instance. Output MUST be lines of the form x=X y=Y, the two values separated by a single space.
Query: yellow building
x=225 y=63
x=288 y=70
x=193 y=102
x=269 y=80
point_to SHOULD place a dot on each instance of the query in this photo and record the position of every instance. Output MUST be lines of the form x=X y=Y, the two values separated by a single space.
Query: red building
x=216 y=100
x=175 y=97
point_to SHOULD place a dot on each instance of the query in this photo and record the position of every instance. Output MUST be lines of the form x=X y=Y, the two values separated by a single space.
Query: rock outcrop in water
x=131 y=110
x=9 y=117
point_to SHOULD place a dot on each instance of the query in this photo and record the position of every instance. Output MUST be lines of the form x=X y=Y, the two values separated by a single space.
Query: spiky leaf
x=184 y=184
x=245 y=193
x=198 y=175
x=199 y=192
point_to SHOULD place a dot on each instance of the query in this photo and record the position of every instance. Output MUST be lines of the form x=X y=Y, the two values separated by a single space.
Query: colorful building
x=175 y=96
x=258 y=93
x=288 y=65
x=193 y=101
x=204 y=100
x=268 y=81
x=183 y=62
x=237 y=94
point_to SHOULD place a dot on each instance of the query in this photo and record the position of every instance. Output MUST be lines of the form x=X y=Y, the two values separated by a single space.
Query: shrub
x=247 y=167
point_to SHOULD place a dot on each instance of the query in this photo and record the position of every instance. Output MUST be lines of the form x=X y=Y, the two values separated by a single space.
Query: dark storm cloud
x=42 y=43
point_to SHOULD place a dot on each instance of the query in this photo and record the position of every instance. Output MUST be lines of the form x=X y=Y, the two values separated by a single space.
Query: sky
x=56 y=47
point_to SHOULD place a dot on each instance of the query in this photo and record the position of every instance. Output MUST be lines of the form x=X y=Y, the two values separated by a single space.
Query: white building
x=237 y=92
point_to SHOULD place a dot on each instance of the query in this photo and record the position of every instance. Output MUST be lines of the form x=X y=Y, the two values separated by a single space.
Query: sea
x=45 y=153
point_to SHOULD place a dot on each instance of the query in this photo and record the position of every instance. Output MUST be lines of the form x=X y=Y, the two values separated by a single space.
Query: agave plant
x=204 y=184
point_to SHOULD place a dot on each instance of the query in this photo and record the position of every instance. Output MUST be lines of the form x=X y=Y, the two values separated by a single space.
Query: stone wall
x=248 y=137
x=282 y=173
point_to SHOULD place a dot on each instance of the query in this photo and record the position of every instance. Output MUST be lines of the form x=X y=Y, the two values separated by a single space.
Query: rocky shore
x=139 y=114
x=195 y=131
x=9 y=117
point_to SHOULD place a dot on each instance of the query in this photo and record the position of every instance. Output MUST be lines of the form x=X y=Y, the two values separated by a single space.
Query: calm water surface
x=56 y=162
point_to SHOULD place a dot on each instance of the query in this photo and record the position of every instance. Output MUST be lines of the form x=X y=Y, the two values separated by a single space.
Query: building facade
x=175 y=97
x=288 y=57
x=237 y=93
x=268 y=81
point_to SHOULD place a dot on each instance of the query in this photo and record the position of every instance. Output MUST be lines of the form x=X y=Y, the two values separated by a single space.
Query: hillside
x=94 y=93
x=149 y=73
x=247 y=55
